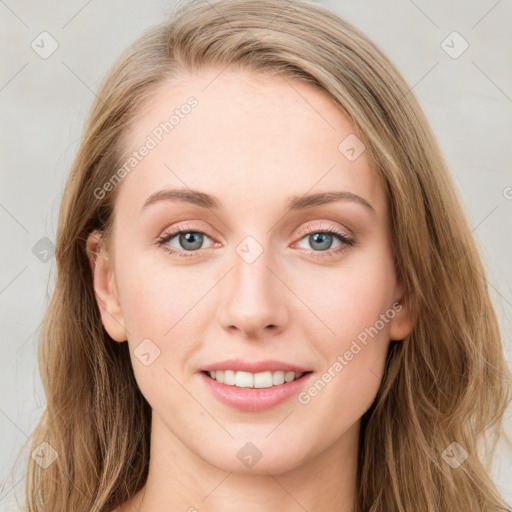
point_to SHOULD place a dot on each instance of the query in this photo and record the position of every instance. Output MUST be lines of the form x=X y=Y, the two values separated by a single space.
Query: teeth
x=253 y=380
x=229 y=377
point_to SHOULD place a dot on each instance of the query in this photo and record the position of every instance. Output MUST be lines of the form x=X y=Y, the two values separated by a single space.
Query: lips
x=271 y=365
x=263 y=394
x=253 y=399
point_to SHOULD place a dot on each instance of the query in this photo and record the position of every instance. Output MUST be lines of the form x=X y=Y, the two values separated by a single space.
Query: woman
x=326 y=342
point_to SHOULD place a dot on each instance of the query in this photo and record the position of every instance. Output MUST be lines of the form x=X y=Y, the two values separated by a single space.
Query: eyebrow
x=294 y=203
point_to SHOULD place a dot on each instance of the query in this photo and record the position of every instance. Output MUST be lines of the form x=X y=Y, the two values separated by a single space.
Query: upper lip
x=254 y=366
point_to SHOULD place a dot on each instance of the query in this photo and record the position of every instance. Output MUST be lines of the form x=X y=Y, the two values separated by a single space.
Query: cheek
x=350 y=299
x=357 y=310
x=154 y=311
x=152 y=300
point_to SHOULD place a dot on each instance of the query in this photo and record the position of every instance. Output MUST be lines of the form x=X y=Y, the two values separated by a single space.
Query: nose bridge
x=251 y=275
x=254 y=299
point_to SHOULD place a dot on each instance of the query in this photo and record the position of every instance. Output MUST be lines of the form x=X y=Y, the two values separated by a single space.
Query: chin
x=255 y=458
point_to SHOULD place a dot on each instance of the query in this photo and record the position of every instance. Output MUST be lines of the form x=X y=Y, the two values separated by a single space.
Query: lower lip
x=254 y=399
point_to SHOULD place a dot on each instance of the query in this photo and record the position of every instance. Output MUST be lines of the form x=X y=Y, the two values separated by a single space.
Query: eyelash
x=346 y=242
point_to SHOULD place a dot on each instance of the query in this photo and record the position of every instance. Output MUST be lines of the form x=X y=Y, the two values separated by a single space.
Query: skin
x=252 y=142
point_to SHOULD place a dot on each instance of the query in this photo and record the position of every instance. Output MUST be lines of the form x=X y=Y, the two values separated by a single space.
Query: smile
x=266 y=379
x=254 y=392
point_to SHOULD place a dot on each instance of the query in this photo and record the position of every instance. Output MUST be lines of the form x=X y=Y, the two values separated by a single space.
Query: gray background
x=468 y=101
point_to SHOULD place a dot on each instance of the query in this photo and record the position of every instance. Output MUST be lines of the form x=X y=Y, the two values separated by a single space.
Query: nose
x=255 y=303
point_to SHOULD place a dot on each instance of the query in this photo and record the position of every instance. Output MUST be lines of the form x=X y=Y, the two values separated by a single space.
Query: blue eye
x=189 y=241
x=321 y=240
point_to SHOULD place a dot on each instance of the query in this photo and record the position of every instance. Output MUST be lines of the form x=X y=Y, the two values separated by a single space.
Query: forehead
x=250 y=138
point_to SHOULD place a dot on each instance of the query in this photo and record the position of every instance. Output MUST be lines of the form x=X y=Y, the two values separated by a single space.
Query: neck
x=179 y=479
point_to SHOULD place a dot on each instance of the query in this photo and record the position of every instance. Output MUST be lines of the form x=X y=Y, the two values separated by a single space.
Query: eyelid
x=311 y=227
x=172 y=232
x=183 y=228
x=314 y=227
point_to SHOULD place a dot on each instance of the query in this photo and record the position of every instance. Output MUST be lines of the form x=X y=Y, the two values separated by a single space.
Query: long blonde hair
x=448 y=382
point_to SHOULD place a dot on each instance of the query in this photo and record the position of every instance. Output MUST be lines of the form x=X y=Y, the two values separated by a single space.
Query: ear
x=105 y=288
x=402 y=323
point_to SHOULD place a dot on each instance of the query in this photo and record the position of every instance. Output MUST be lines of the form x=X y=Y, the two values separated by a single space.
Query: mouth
x=254 y=392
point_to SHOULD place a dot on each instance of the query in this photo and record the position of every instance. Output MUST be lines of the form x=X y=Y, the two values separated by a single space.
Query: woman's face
x=284 y=264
